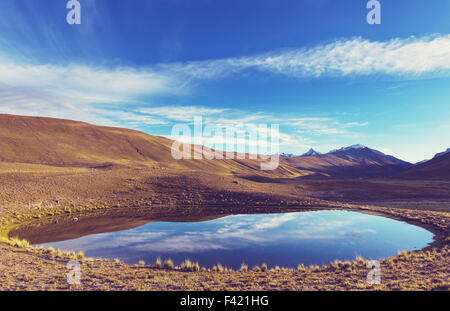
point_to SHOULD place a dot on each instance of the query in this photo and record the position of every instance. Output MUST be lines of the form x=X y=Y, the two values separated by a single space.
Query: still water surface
x=288 y=239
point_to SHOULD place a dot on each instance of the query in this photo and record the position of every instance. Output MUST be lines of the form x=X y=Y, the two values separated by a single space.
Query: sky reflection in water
x=276 y=239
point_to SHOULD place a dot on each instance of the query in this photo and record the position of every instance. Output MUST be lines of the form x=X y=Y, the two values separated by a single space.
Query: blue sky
x=314 y=67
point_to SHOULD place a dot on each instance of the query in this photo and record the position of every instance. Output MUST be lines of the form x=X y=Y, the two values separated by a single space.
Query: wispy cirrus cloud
x=407 y=58
x=74 y=90
x=181 y=113
x=85 y=82
x=322 y=126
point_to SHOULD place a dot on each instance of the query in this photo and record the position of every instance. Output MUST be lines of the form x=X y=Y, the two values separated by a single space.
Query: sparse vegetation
x=168 y=264
x=334 y=276
x=301 y=268
x=188 y=265
x=158 y=263
x=16 y=242
x=34 y=192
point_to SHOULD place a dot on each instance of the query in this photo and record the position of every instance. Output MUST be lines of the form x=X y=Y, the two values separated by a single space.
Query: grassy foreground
x=42 y=194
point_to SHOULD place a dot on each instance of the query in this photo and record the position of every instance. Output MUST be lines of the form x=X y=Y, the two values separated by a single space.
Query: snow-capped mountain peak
x=357 y=146
x=287 y=155
x=310 y=152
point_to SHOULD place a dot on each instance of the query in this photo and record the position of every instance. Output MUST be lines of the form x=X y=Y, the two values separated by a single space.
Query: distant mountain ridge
x=437 y=155
x=59 y=142
x=436 y=168
x=352 y=161
x=357 y=146
x=366 y=154
x=287 y=155
x=310 y=152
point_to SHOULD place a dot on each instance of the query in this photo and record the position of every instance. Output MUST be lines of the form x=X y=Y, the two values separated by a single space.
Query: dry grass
x=158 y=263
x=398 y=273
x=168 y=264
x=188 y=265
x=43 y=194
x=16 y=242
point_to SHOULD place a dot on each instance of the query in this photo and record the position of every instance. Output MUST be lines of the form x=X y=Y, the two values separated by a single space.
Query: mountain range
x=352 y=161
x=70 y=143
x=436 y=168
x=310 y=152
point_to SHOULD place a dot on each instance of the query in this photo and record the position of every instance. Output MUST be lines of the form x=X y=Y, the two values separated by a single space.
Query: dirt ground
x=32 y=193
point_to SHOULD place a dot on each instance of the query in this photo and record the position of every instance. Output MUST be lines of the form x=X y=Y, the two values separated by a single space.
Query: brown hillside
x=59 y=142
x=436 y=168
x=363 y=162
x=64 y=142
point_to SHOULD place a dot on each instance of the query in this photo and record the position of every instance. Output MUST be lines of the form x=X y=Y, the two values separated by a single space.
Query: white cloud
x=410 y=57
x=181 y=113
x=274 y=222
x=322 y=126
x=88 y=82
x=72 y=91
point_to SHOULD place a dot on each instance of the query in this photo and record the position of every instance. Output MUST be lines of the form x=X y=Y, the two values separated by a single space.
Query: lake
x=288 y=239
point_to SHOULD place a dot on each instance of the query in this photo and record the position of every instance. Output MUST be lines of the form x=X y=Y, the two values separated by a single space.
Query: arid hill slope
x=362 y=162
x=59 y=142
x=63 y=142
x=436 y=168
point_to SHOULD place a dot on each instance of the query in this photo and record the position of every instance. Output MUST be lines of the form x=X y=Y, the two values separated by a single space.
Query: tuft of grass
x=264 y=267
x=71 y=255
x=186 y=265
x=51 y=250
x=403 y=255
x=347 y=265
x=218 y=268
x=360 y=261
x=335 y=265
x=16 y=242
x=158 y=263
x=141 y=263
x=256 y=269
x=301 y=268
x=244 y=268
x=276 y=269
x=168 y=264
x=195 y=267
x=314 y=268
x=80 y=256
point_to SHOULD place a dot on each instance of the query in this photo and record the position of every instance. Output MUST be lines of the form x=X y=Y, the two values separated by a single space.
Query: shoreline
x=440 y=235
x=138 y=193
x=431 y=221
